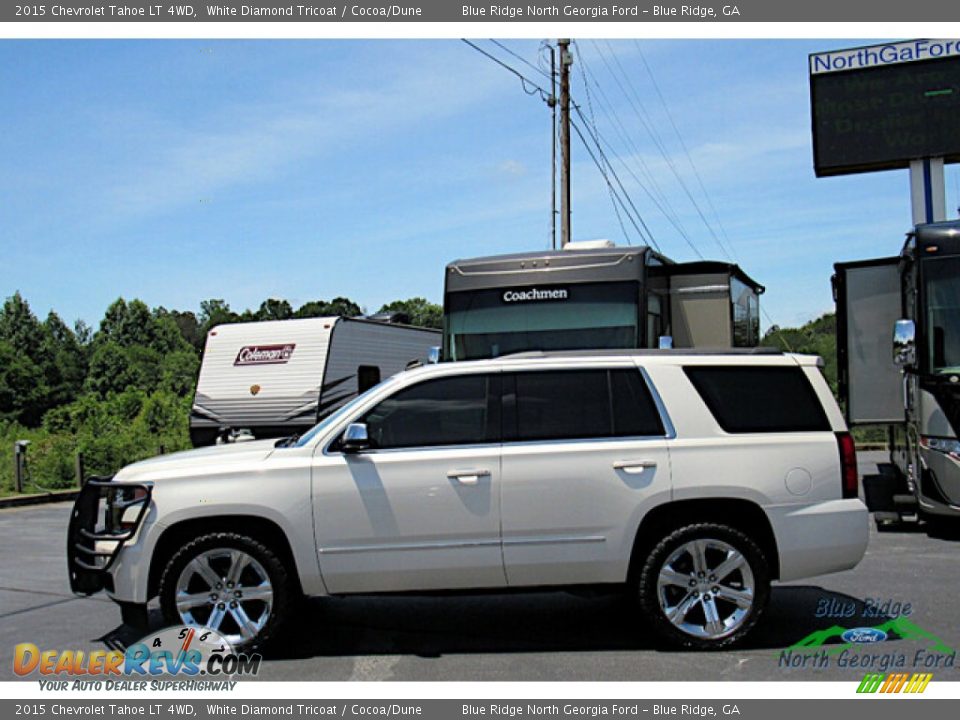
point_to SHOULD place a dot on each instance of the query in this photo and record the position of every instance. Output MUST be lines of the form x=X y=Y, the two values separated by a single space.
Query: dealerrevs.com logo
x=264 y=354
x=194 y=653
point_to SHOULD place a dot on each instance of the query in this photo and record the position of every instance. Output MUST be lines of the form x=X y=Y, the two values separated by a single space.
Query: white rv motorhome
x=278 y=377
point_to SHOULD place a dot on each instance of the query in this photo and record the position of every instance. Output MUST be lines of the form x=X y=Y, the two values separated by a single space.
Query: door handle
x=467 y=477
x=634 y=467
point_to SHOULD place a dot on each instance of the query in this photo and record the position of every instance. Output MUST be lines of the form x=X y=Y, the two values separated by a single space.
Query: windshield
x=492 y=323
x=335 y=417
x=942 y=296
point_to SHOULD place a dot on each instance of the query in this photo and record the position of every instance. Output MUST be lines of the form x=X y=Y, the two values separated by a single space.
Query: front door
x=420 y=509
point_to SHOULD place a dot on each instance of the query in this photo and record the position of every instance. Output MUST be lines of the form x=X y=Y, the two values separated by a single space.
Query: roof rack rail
x=644 y=351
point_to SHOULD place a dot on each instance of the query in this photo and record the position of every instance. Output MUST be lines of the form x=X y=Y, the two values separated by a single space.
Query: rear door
x=585 y=453
x=868 y=300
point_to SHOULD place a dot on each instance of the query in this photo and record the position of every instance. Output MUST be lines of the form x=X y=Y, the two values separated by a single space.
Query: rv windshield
x=492 y=323
x=942 y=298
x=335 y=417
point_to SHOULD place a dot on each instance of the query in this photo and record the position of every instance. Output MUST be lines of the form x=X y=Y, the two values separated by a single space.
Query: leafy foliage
x=421 y=312
x=817 y=337
x=119 y=393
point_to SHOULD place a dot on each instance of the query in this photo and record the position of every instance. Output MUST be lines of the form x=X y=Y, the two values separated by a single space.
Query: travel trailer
x=279 y=377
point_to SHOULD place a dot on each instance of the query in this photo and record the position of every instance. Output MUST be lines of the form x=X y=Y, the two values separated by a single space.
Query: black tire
x=673 y=550
x=283 y=595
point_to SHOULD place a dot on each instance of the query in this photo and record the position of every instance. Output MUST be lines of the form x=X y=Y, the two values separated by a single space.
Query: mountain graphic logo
x=898 y=628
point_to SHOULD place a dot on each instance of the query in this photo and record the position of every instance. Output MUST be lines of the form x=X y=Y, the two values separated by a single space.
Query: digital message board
x=879 y=107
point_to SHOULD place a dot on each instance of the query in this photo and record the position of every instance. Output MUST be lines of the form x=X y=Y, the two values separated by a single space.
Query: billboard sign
x=879 y=107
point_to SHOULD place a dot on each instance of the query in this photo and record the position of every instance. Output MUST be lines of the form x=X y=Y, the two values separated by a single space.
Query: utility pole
x=552 y=102
x=566 y=60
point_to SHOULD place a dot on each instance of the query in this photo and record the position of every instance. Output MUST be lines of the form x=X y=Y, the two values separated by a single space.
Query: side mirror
x=433 y=355
x=904 y=343
x=665 y=342
x=355 y=438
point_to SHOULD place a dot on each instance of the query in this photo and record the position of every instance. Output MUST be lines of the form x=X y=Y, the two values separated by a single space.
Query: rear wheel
x=704 y=586
x=230 y=583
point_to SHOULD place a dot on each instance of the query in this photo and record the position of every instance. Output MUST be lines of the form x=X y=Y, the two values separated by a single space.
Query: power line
x=647 y=236
x=595 y=133
x=520 y=58
x=656 y=195
x=524 y=80
x=673 y=221
x=633 y=99
x=663 y=151
x=683 y=145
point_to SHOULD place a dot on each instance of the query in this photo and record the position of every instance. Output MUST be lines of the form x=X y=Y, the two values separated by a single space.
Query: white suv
x=692 y=479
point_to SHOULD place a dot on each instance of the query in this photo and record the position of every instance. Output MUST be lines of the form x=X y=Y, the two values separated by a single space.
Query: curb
x=38 y=499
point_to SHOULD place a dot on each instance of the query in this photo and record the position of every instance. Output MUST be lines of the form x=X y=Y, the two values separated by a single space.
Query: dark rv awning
x=551 y=266
x=702 y=267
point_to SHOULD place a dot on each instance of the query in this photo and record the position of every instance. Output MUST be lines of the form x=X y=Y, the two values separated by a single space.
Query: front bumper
x=106 y=515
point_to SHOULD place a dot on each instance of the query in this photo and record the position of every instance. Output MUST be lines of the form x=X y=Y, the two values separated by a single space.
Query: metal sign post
x=927 y=191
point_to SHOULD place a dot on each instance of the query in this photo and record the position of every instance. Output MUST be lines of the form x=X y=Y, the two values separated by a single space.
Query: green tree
x=20 y=327
x=64 y=362
x=274 y=309
x=339 y=306
x=23 y=390
x=215 y=312
x=420 y=311
x=817 y=337
x=178 y=372
x=110 y=370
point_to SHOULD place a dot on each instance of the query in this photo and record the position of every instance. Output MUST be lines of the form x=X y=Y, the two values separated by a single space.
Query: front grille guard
x=97 y=531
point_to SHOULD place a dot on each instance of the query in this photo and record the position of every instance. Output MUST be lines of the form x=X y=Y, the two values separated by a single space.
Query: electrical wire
x=646 y=236
x=524 y=80
x=520 y=58
x=595 y=134
x=650 y=185
x=636 y=104
x=656 y=86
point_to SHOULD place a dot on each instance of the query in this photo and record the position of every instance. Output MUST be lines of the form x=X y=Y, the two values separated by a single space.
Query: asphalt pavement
x=541 y=636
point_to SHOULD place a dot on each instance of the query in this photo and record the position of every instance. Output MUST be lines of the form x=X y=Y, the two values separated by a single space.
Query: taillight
x=848 y=464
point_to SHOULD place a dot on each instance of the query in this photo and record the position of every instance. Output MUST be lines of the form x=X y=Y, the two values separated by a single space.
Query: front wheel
x=704 y=586
x=230 y=583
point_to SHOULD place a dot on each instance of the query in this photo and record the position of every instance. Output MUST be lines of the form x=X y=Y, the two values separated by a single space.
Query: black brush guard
x=96 y=518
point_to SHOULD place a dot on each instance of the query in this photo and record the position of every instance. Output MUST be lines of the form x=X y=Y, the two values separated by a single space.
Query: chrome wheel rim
x=706 y=588
x=227 y=590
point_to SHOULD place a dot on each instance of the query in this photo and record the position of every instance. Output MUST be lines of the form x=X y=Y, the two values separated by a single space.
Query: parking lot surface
x=537 y=636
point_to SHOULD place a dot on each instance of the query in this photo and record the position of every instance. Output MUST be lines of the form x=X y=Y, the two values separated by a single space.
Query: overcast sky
x=176 y=171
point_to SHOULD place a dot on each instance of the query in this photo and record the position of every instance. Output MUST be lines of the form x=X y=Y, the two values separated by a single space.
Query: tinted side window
x=575 y=404
x=367 y=377
x=446 y=411
x=634 y=412
x=759 y=399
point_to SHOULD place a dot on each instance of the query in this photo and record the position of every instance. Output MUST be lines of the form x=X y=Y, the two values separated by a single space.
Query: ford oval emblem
x=864 y=635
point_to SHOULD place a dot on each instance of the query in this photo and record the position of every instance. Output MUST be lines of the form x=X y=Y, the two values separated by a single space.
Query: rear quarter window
x=756 y=399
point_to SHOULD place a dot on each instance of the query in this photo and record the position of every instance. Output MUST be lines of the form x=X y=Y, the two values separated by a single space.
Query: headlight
x=123 y=507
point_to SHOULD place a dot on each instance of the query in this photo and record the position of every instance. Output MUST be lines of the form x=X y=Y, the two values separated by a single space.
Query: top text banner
x=458 y=11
